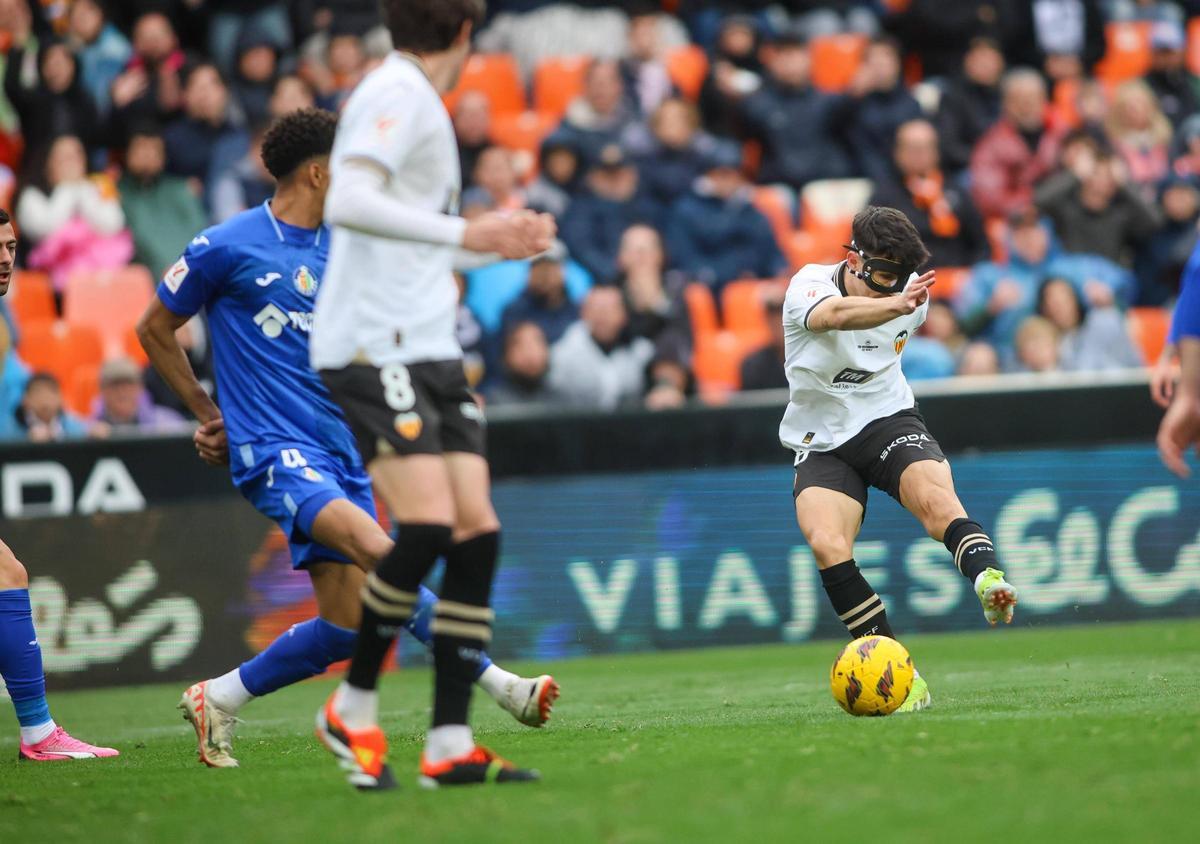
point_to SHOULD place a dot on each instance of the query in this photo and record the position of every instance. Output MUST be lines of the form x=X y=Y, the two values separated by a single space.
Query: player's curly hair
x=297 y=137
x=887 y=233
x=430 y=26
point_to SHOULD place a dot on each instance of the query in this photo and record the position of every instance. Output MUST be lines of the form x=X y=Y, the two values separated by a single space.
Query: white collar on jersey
x=279 y=231
x=417 y=60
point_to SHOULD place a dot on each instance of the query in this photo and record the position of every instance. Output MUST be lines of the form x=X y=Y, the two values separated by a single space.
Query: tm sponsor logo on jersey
x=848 y=378
x=912 y=440
x=867 y=346
x=265 y=281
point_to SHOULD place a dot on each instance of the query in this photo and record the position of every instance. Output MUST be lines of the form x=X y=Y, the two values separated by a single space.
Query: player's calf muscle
x=12 y=573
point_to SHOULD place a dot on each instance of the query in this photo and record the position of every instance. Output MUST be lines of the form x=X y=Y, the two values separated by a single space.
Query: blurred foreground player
x=42 y=740
x=384 y=342
x=292 y=455
x=852 y=422
x=1180 y=428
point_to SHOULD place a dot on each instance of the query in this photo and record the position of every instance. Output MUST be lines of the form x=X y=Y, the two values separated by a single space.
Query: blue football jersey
x=258 y=278
x=1186 y=320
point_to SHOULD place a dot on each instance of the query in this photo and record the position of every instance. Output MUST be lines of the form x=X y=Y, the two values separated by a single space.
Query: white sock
x=448 y=741
x=494 y=680
x=33 y=735
x=359 y=708
x=228 y=692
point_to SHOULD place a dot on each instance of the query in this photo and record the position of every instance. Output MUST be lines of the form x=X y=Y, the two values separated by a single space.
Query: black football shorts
x=419 y=408
x=876 y=456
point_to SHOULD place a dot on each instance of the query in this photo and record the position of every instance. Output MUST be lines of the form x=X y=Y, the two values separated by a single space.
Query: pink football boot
x=59 y=746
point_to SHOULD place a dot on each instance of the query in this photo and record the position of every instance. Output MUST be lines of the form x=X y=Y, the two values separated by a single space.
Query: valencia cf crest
x=306 y=283
x=900 y=342
x=409 y=425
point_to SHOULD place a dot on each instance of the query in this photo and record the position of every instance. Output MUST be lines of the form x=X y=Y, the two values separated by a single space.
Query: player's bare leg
x=830 y=522
x=927 y=491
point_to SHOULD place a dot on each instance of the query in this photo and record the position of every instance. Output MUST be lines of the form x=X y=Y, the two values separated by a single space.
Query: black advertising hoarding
x=138 y=557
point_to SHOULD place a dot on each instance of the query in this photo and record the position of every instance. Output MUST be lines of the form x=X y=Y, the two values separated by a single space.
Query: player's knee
x=830 y=547
x=370 y=546
x=12 y=573
x=475 y=521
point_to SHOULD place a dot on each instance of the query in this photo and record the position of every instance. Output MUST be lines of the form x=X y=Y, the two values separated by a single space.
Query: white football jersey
x=384 y=300
x=840 y=381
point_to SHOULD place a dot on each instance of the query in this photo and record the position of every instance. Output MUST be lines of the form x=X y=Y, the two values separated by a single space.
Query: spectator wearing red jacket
x=1018 y=151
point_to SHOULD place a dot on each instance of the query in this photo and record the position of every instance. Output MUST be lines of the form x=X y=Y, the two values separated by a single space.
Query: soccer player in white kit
x=852 y=422
x=384 y=343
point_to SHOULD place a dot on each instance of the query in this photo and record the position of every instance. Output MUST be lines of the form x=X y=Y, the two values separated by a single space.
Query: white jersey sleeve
x=804 y=294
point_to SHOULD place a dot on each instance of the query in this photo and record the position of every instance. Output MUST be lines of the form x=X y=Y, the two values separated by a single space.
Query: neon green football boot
x=918 y=698
x=997 y=596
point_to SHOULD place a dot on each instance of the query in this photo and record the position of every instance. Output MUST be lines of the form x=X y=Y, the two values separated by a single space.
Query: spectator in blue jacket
x=998 y=296
x=603 y=113
x=715 y=233
x=802 y=130
x=613 y=201
x=545 y=301
x=672 y=153
x=208 y=139
x=41 y=416
x=884 y=104
x=100 y=48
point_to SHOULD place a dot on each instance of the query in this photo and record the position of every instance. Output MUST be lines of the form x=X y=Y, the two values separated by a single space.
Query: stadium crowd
x=694 y=154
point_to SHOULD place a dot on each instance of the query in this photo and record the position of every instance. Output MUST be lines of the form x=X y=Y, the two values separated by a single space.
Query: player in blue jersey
x=289 y=449
x=42 y=740
x=1180 y=427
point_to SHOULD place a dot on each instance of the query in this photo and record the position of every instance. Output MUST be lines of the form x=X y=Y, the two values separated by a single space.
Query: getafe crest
x=306 y=283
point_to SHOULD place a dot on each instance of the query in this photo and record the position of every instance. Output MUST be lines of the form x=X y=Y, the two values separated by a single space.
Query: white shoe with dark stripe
x=530 y=699
x=214 y=727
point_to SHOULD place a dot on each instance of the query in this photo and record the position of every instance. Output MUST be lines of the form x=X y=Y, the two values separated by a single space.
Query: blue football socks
x=21 y=665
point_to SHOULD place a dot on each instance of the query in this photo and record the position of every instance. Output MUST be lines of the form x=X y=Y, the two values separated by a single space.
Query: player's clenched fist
x=511 y=236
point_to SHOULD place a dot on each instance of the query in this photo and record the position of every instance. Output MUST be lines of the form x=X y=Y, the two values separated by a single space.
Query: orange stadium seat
x=949 y=281
x=1193 y=46
x=835 y=60
x=496 y=76
x=558 y=81
x=688 y=66
x=772 y=204
x=702 y=309
x=745 y=313
x=827 y=210
x=81 y=389
x=523 y=132
x=717 y=361
x=1149 y=328
x=1127 y=54
x=110 y=302
x=60 y=348
x=32 y=297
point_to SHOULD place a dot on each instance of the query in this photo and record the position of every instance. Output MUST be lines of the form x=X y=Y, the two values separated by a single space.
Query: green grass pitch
x=1038 y=734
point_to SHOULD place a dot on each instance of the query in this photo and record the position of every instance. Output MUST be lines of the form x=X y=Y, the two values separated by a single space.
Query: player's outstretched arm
x=359 y=200
x=156 y=331
x=853 y=313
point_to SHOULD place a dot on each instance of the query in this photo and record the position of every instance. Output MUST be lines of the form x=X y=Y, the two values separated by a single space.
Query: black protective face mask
x=873 y=266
